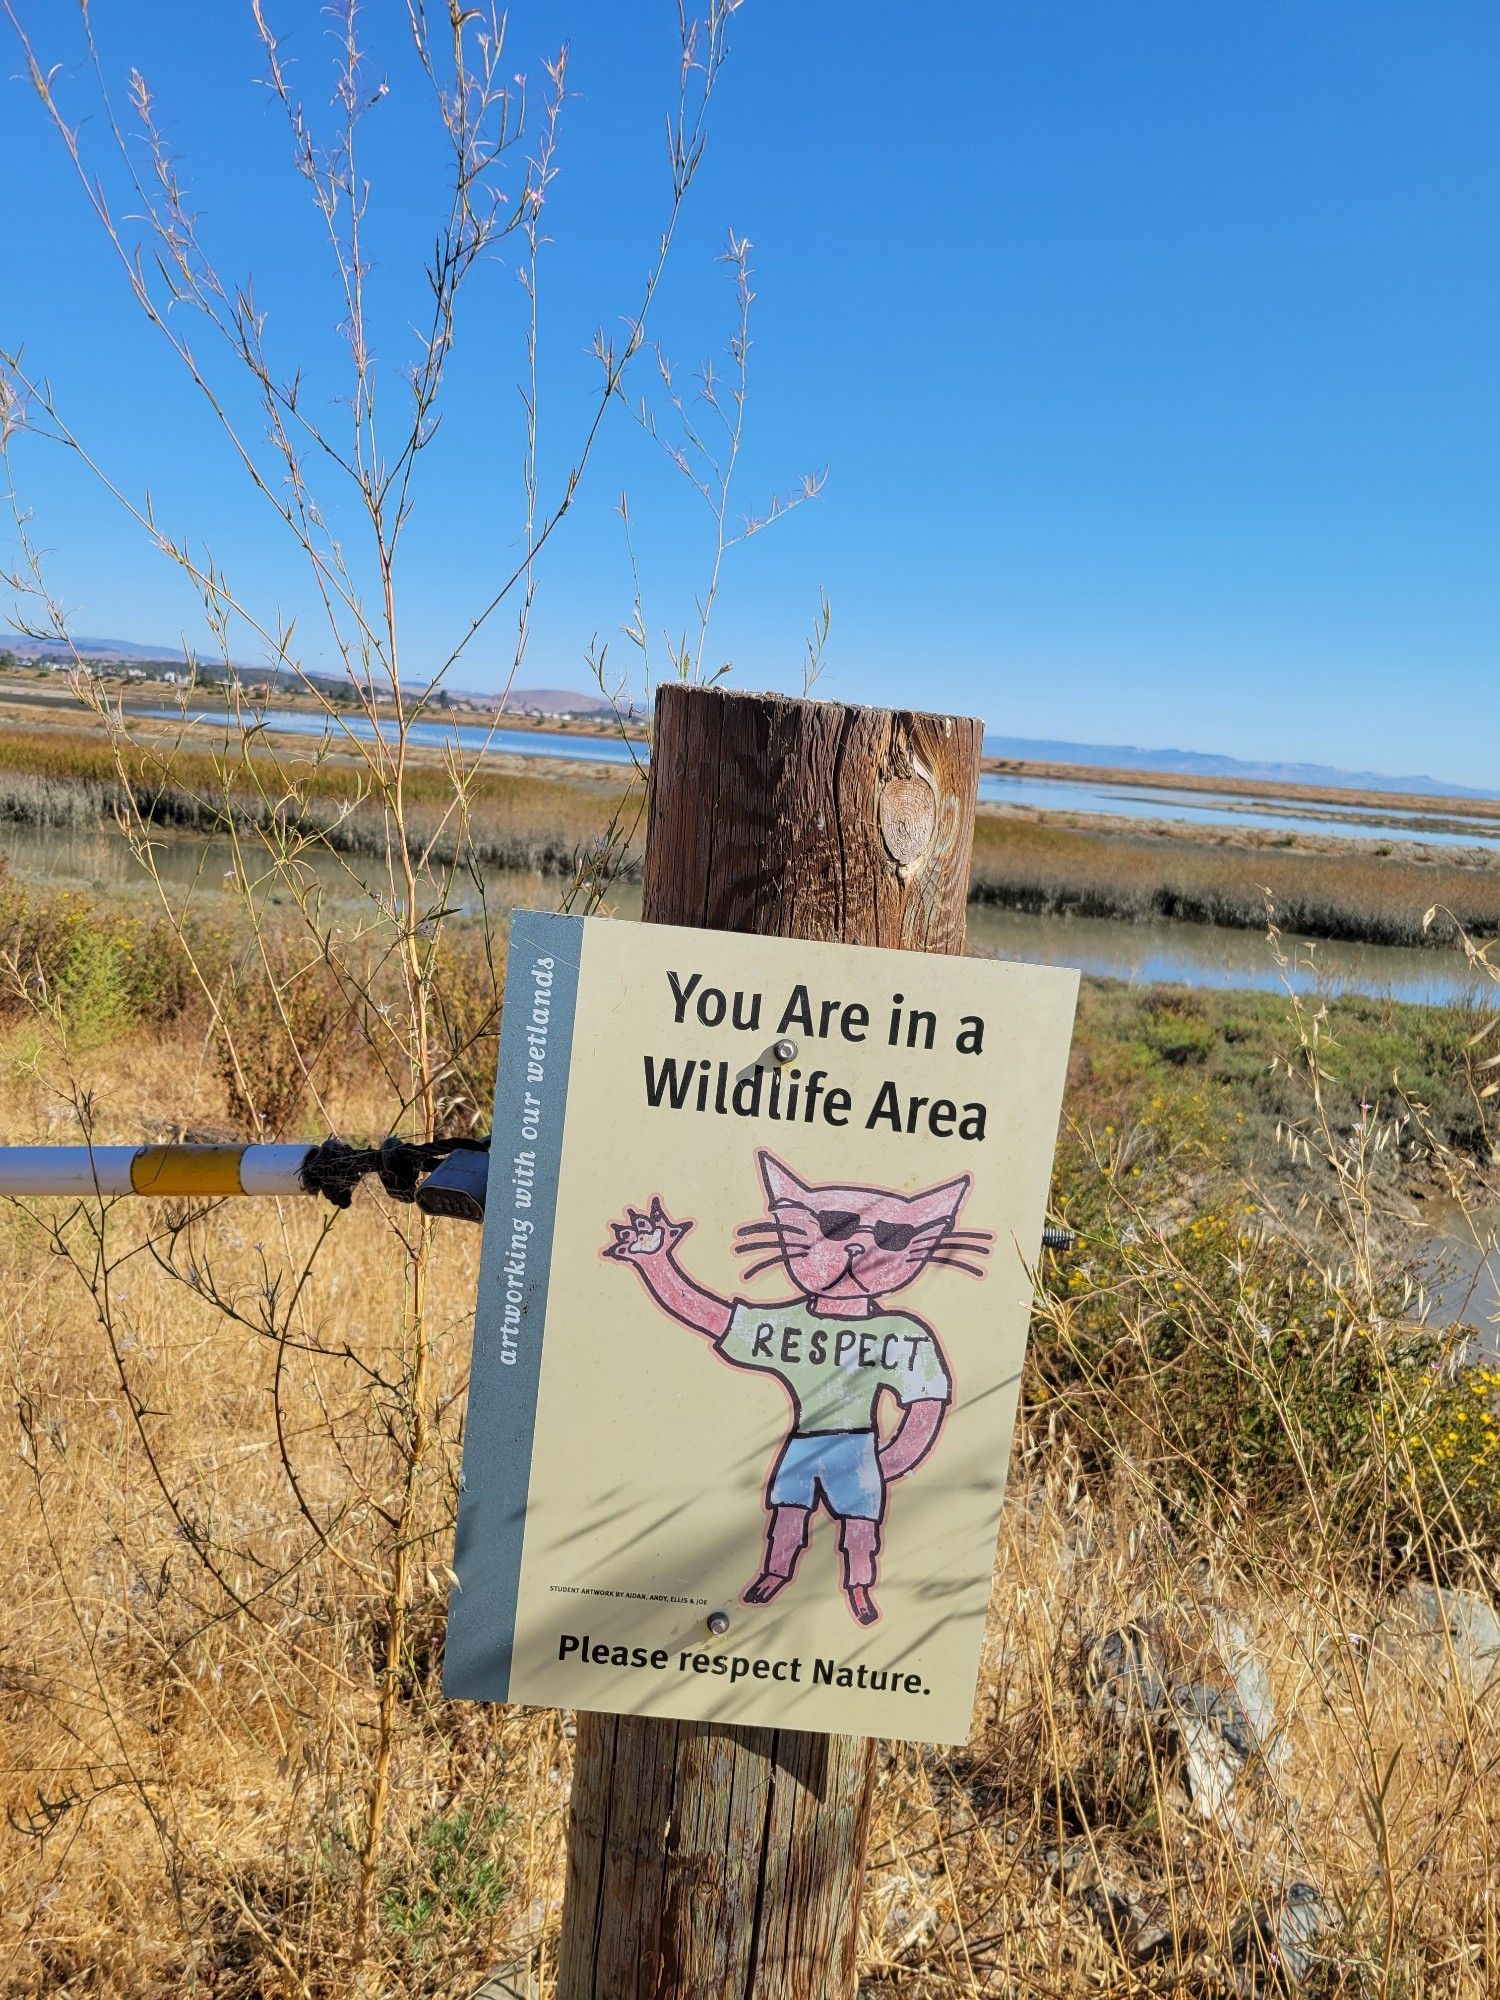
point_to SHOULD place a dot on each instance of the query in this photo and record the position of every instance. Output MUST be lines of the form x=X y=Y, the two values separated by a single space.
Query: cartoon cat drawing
x=840 y=1353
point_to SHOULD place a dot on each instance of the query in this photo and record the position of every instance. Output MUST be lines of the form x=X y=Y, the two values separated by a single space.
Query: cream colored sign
x=752 y=1314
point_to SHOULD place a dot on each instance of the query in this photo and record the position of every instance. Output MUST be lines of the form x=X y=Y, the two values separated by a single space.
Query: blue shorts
x=842 y=1463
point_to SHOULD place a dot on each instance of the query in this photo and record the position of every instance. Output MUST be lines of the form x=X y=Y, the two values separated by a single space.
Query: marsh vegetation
x=229 y=1490
x=523 y=816
x=1237 y=1408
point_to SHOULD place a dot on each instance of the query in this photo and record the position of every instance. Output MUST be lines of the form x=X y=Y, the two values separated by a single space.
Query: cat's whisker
x=750 y=1249
x=756 y=1269
x=758 y=1229
x=968 y=1249
x=957 y=1264
x=978 y=1235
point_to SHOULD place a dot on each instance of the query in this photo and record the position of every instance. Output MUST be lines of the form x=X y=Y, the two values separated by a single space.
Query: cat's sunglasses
x=839 y=1224
x=949 y=1246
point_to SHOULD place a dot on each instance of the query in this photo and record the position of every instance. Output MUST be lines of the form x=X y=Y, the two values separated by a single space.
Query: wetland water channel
x=1463 y=1273
x=1341 y=814
x=1106 y=947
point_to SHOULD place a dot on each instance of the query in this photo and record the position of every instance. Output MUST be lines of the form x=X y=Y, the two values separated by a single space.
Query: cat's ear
x=780 y=1183
x=941 y=1203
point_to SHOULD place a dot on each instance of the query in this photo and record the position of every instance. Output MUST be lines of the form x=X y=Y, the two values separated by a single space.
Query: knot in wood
x=908 y=818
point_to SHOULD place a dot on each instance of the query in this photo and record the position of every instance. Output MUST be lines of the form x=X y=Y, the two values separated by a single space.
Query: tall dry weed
x=230 y=1483
x=234 y=1758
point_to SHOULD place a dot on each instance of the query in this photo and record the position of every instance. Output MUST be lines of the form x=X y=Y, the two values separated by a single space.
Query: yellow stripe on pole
x=187 y=1170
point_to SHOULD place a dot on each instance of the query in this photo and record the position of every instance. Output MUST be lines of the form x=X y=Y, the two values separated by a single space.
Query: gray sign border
x=501 y=1425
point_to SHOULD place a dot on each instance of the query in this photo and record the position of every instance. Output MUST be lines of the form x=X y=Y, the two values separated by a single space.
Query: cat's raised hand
x=646 y=1235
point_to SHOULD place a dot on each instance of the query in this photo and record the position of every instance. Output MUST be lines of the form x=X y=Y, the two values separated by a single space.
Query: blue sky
x=1151 y=352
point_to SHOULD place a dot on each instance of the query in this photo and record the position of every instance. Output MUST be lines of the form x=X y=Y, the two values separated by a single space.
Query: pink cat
x=834 y=1348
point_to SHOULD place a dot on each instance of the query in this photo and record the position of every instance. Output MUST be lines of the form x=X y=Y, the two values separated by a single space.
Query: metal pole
x=153 y=1170
x=444 y=1176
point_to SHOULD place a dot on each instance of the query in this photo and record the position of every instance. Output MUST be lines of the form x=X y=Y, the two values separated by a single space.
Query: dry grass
x=534 y=820
x=198 y=1518
x=54 y=777
x=1383 y=1791
x=199 y=1492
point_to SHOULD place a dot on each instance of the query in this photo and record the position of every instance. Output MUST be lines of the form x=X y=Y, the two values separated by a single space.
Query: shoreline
x=39 y=694
x=1278 y=790
x=545 y=813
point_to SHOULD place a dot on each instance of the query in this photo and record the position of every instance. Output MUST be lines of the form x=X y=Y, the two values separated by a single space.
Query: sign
x=752 y=1310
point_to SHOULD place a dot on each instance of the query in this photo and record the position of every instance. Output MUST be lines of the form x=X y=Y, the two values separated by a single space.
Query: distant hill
x=101 y=650
x=1201 y=764
x=1024 y=749
x=126 y=652
x=544 y=701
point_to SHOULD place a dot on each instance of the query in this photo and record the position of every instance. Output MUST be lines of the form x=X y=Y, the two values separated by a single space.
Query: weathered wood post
x=706 y=1861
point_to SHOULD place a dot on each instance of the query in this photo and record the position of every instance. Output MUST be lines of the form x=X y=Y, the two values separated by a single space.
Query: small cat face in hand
x=855 y=1243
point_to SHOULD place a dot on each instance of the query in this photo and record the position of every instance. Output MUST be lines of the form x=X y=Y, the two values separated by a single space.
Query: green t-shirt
x=836 y=1368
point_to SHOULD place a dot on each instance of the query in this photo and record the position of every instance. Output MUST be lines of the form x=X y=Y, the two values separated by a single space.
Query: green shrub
x=1445 y=1438
x=1174 y=1029
x=104 y=970
x=93 y=986
x=1242 y=1380
x=454 y=1883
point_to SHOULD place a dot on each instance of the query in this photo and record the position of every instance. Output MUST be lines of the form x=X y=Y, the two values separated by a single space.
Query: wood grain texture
x=772 y=816
x=707 y=1862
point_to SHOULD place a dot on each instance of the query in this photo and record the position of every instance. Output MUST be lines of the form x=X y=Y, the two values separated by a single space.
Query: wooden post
x=706 y=1861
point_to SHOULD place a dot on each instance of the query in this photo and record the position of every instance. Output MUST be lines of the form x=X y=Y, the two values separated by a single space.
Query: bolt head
x=784 y=1051
x=718 y=1623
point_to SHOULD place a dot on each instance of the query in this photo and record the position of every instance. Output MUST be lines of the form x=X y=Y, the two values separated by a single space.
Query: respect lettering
x=850 y=1349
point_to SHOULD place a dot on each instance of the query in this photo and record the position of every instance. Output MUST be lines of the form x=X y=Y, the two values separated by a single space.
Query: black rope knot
x=335 y=1169
x=399 y=1167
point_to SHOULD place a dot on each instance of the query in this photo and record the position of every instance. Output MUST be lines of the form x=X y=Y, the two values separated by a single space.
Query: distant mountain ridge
x=127 y=653
x=102 y=650
x=1024 y=749
x=550 y=701
x=1203 y=764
